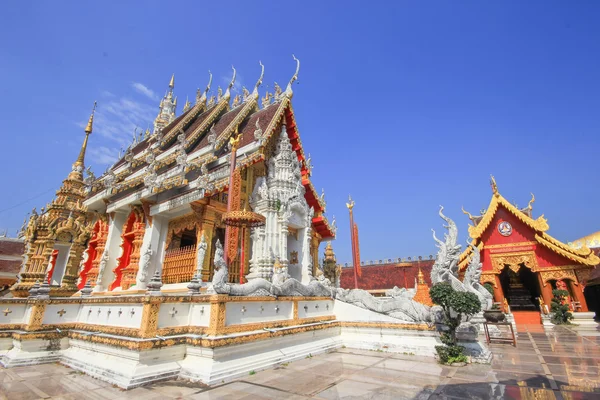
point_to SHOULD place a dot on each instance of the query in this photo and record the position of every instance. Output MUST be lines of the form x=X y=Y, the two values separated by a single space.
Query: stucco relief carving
x=583 y=275
x=514 y=261
x=558 y=274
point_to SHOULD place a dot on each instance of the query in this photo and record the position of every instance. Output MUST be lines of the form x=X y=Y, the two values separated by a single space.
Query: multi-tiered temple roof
x=191 y=151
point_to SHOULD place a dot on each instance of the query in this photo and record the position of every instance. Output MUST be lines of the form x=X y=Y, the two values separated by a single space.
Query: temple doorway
x=520 y=289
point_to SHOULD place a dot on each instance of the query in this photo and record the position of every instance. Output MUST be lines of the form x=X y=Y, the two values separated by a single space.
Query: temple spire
x=167 y=108
x=88 y=131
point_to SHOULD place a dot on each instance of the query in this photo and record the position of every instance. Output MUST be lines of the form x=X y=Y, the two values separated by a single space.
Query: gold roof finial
x=228 y=91
x=350 y=203
x=172 y=83
x=493 y=183
x=260 y=79
x=530 y=204
x=288 y=90
x=88 y=131
x=468 y=213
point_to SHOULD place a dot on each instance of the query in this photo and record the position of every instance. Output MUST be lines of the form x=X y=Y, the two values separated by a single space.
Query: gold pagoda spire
x=88 y=131
x=421 y=278
x=172 y=83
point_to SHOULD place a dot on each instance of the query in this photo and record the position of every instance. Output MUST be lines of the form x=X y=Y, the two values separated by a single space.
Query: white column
x=152 y=236
x=113 y=247
x=306 y=258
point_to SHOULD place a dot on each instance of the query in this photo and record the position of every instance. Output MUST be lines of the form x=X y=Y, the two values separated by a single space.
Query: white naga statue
x=445 y=268
x=472 y=280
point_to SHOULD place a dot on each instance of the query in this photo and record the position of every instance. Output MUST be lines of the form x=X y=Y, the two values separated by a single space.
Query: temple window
x=91 y=255
x=179 y=264
x=58 y=263
x=127 y=265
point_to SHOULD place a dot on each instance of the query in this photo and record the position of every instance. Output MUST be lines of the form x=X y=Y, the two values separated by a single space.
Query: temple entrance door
x=520 y=289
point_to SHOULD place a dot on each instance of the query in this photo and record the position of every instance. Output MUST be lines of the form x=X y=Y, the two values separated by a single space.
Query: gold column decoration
x=37 y=315
x=217 y=315
x=149 y=323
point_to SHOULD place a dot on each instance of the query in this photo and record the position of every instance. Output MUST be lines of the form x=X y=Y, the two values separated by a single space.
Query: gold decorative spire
x=421 y=277
x=329 y=254
x=187 y=104
x=88 y=131
x=172 y=83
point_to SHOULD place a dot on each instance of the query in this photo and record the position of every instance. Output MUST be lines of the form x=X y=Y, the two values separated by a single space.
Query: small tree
x=559 y=309
x=455 y=305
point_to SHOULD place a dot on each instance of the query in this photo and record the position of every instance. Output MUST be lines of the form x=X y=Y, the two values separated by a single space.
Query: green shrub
x=451 y=354
x=560 y=313
x=455 y=306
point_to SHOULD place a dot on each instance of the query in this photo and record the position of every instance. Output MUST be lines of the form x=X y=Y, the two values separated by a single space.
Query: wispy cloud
x=117 y=119
x=103 y=155
x=145 y=90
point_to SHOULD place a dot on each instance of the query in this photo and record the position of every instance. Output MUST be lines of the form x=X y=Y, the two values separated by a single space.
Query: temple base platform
x=135 y=340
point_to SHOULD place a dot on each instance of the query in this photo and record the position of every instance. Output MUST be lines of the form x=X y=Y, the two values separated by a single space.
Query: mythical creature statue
x=282 y=285
x=472 y=280
x=445 y=268
x=404 y=293
x=400 y=308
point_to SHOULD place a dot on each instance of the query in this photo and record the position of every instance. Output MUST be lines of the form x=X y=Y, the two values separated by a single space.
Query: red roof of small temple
x=386 y=276
x=503 y=228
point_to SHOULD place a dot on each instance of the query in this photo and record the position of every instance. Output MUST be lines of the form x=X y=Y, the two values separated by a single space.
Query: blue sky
x=406 y=107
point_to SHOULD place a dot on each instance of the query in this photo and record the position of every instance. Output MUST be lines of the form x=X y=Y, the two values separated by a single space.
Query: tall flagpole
x=350 y=206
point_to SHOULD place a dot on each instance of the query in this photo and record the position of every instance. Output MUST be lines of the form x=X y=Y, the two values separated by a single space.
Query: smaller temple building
x=11 y=256
x=521 y=261
x=592 y=288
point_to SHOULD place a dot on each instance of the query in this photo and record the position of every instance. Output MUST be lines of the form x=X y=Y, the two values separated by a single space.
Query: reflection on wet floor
x=561 y=363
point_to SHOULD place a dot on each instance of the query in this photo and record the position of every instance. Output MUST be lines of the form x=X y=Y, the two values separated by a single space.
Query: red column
x=234 y=144
x=546 y=291
x=498 y=292
x=577 y=293
x=353 y=246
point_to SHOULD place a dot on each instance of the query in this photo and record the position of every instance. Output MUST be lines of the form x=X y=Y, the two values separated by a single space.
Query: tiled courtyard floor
x=557 y=364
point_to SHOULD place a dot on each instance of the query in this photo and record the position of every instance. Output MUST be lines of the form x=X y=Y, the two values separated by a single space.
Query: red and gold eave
x=528 y=235
x=320 y=223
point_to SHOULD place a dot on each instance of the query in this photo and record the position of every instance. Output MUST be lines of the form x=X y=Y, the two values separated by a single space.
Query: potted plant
x=456 y=306
x=495 y=314
x=559 y=309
